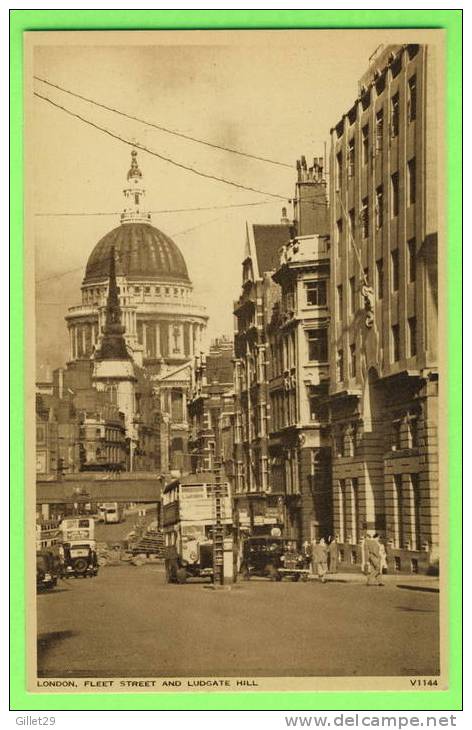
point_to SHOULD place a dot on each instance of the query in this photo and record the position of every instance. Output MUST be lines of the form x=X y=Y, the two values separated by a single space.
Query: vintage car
x=274 y=558
x=80 y=559
x=48 y=569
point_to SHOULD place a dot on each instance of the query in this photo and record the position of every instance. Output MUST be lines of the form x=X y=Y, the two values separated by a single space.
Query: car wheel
x=272 y=573
x=296 y=577
x=80 y=565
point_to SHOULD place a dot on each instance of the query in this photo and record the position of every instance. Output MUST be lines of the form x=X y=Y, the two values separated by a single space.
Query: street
x=115 y=532
x=127 y=622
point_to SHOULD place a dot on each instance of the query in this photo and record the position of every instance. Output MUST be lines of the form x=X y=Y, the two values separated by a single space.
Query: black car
x=274 y=558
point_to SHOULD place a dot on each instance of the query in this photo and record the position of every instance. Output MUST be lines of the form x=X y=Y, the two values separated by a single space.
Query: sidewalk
x=412 y=582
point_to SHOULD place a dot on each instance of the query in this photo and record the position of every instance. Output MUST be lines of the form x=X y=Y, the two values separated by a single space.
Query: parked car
x=48 y=569
x=274 y=558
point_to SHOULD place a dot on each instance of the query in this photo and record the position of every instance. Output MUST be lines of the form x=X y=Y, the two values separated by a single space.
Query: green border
x=450 y=20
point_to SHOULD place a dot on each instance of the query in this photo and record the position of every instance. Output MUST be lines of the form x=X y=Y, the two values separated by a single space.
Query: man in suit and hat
x=372 y=558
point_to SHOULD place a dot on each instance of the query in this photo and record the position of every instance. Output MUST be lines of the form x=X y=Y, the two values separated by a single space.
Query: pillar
x=76 y=342
x=158 y=339
x=71 y=344
x=191 y=349
x=144 y=339
x=169 y=339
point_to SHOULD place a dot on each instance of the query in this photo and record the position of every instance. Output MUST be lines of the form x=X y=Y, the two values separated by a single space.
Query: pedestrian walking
x=383 y=558
x=320 y=559
x=372 y=553
x=333 y=555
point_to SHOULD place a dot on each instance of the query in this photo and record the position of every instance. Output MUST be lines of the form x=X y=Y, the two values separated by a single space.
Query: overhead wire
x=168 y=210
x=161 y=128
x=139 y=145
x=314 y=200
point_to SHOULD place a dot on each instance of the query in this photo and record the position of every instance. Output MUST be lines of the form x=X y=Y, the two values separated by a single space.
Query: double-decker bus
x=191 y=508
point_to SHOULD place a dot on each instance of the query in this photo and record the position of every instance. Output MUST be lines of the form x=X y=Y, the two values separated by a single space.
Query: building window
x=355 y=510
x=317 y=345
x=352 y=349
x=365 y=217
x=395 y=115
x=339 y=169
x=413 y=432
x=365 y=144
x=412 y=336
x=395 y=270
x=395 y=194
x=379 y=207
x=352 y=224
x=415 y=486
x=399 y=512
x=379 y=124
x=340 y=300
x=352 y=294
x=351 y=157
x=339 y=366
x=315 y=293
x=137 y=290
x=411 y=103
x=396 y=435
x=395 y=343
x=412 y=259
x=147 y=290
x=158 y=291
x=380 y=278
x=339 y=230
x=411 y=189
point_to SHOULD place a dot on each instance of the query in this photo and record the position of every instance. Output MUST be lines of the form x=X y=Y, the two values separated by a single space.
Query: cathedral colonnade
x=159 y=337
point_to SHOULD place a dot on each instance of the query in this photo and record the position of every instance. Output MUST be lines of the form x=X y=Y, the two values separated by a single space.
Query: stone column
x=84 y=342
x=181 y=339
x=76 y=342
x=158 y=339
x=169 y=339
x=190 y=340
x=71 y=344
x=144 y=339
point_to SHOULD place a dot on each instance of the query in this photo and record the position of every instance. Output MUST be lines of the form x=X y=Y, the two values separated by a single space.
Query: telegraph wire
x=140 y=146
x=162 y=128
x=168 y=210
x=315 y=201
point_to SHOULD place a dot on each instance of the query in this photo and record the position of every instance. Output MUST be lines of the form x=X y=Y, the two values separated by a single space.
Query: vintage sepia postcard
x=235 y=267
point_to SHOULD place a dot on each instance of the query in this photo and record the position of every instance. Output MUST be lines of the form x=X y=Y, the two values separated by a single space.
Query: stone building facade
x=258 y=502
x=298 y=371
x=210 y=392
x=384 y=311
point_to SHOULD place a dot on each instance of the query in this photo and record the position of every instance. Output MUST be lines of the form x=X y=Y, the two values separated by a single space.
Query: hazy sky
x=276 y=95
